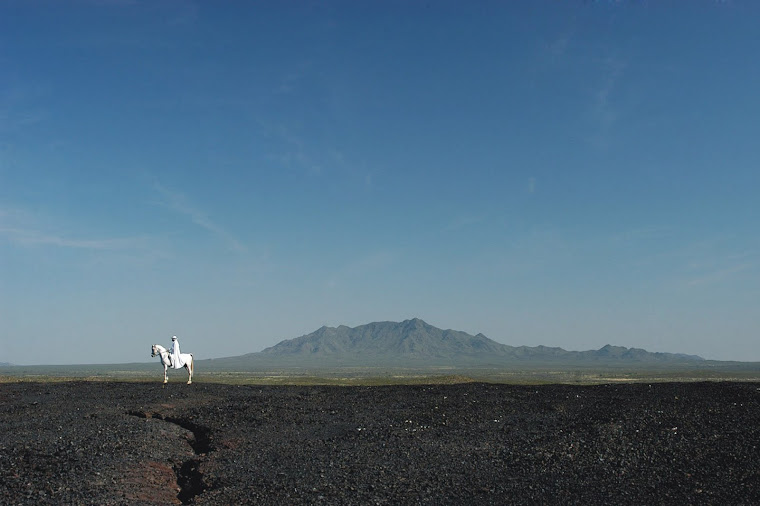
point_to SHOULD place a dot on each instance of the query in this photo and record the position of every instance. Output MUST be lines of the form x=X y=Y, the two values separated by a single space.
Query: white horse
x=187 y=358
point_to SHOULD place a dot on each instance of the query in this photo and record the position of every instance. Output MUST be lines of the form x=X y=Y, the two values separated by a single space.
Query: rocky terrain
x=142 y=443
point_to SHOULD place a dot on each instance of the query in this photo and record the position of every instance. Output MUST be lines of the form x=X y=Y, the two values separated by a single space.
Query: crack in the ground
x=189 y=477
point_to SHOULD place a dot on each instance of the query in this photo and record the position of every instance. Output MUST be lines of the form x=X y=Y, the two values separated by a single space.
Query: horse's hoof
x=189 y=382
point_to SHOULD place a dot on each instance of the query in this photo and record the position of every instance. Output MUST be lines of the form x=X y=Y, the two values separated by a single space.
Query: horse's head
x=153 y=351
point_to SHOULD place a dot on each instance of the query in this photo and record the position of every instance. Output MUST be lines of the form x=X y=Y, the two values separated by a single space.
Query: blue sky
x=558 y=173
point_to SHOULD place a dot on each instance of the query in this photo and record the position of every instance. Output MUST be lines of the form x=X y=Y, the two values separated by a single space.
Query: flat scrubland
x=151 y=372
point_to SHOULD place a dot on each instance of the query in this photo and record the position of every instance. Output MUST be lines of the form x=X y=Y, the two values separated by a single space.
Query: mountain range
x=415 y=343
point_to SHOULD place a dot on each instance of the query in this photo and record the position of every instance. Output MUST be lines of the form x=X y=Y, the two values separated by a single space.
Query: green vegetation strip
x=371 y=377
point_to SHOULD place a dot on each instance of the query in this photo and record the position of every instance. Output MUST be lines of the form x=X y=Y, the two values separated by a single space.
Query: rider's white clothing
x=176 y=358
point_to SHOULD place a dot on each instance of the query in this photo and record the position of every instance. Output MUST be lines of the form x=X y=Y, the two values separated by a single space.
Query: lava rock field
x=108 y=442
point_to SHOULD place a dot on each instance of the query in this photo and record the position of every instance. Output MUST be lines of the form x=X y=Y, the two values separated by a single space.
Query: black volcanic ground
x=141 y=443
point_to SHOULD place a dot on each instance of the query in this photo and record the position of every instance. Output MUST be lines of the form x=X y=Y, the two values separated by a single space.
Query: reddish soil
x=142 y=443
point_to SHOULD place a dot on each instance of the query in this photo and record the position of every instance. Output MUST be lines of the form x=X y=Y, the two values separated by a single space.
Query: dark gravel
x=141 y=443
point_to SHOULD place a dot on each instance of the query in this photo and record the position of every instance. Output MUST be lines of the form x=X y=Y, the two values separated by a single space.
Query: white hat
x=174 y=338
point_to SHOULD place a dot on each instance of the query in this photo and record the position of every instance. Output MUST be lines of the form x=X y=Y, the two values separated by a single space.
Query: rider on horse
x=176 y=358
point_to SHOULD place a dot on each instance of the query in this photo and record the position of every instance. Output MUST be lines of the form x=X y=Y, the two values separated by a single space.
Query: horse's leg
x=189 y=371
x=166 y=377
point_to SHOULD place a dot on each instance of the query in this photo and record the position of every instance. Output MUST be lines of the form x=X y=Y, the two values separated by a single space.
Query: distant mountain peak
x=414 y=342
x=412 y=339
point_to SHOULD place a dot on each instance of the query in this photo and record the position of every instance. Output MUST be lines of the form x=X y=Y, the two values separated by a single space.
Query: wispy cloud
x=612 y=70
x=19 y=228
x=291 y=81
x=178 y=203
x=603 y=69
x=28 y=237
x=29 y=233
x=554 y=49
x=558 y=47
x=464 y=221
x=603 y=111
x=709 y=270
x=720 y=275
x=298 y=155
x=294 y=155
x=650 y=233
x=372 y=261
